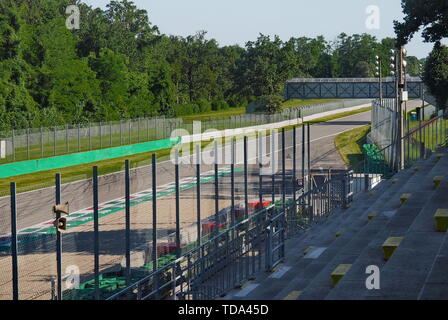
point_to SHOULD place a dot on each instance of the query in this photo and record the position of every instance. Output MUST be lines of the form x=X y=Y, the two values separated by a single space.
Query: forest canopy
x=119 y=65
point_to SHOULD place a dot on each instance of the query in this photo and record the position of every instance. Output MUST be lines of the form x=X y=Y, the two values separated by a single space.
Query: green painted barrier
x=32 y=166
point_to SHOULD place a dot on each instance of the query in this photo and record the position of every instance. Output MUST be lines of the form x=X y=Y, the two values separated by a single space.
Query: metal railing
x=419 y=143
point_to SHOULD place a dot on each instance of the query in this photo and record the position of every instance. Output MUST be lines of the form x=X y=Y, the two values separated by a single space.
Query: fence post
x=14 y=254
x=283 y=171
x=101 y=135
x=260 y=166
x=54 y=140
x=96 y=238
x=232 y=186
x=366 y=182
x=58 y=239
x=128 y=221
x=110 y=133
x=273 y=151
x=66 y=139
x=79 y=137
x=130 y=131
x=13 y=146
x=41 y=142
x=28 y=143
x=294 y=166
x=246 y=206
x=246 y=200
x=90 y=136
x=121 y=132
x=154 y=212
x=176 y=173
x=216 y=188
x=198 y=193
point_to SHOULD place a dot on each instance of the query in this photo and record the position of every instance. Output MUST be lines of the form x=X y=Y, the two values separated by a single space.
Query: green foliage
x=268 y=104
x=118 y=65
x=432 y=16
x=436 y=74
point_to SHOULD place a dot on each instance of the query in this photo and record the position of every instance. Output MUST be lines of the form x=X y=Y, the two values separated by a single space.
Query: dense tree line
x=118 y=65
x=432 y=18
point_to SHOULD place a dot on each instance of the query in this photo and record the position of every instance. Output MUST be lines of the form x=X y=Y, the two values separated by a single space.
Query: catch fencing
x=37 y=143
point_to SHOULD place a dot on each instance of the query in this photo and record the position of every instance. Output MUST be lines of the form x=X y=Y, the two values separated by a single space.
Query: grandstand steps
x=411 y=259
x=417 y=267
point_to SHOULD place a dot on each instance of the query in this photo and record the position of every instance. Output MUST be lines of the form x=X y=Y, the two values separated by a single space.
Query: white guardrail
x=240 y=131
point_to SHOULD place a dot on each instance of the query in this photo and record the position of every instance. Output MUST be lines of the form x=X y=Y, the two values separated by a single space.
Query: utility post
x=402 y=99
x=378 y=73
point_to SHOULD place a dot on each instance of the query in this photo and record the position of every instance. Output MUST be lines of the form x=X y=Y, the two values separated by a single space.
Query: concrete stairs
x=417 y=269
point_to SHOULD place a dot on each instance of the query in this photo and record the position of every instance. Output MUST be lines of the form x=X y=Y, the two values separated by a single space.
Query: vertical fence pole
x=198 y=193
x=294 y=167
x=28 y=143
x=79 y=137
x=128 y=221
x=14 y=254
x=260 y=166
x=303 y=156
x=176 y=173
x=246 y=207
x=121 y=132
x=273 y=164
x=309 y=155
x=110 y=134
x=283 y=170
x=101 y=135
x=246 y=199
x=90 y=136
x=67 y=146
x=54 y=140
x=147 y=129
x=41 y=142
x=154 y=212
x=232 y=186
x=58 y=239
x=130 y=131
x=13 y=142
x=216 y=188
x=96 y=237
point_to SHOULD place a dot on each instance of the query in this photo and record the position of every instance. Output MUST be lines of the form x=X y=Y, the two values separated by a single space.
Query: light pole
x=395 y=128
x=402 y=98
x=378 y=73
x=422 y=112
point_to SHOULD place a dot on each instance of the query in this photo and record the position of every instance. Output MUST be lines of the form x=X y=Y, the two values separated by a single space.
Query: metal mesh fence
x=36 y=143
x=384 y=122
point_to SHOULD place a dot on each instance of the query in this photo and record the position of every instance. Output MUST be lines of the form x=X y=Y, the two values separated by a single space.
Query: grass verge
x=349 y=144
x=215 y=115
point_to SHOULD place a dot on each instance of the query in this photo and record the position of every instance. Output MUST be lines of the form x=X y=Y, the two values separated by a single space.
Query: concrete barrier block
x=339 y=273
x=405 y=197
x=372 y=215
x=390 y=245
x=441 y=220
x=437 y=180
